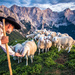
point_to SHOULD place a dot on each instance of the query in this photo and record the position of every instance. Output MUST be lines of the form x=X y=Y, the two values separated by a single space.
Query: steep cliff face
x=70 y=15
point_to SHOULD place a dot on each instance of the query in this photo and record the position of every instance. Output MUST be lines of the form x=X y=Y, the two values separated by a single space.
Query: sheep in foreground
x=41 y=44
x=66 y=41
x=48 y=45
x=29 y=50
x=18 y=48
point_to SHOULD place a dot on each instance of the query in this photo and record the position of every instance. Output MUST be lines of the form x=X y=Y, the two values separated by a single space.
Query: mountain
x=4 y=11
x=38 y=17
x=31 y=18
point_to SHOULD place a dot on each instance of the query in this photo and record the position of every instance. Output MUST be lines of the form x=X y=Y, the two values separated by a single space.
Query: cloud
x=58 y=7
x=54 y=5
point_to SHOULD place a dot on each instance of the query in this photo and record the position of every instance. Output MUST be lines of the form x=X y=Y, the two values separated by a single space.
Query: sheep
x=46 y=33
x=63 y=41
x=36 y=38
x=48 y=44
x=58 y=33
x=30 y=36
x=53 y=34
x=41 y=44
x=62 y=35
x=18 y=48
x=24 y=42
x=29 y=50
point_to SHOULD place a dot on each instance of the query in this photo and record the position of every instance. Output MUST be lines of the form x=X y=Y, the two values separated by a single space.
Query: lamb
x=41 y=44
x=48 y=44
x=29 y=50
x=63 y=41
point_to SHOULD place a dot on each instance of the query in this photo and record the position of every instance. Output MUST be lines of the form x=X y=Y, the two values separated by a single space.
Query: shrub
x=36 y=69
x=49 y=62
x=71 y=63
x=25 y=73
x=38 y=59
x=14 y=72
x=61 y=66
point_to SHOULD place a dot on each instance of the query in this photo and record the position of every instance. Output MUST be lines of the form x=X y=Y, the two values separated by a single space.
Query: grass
x=50 y=63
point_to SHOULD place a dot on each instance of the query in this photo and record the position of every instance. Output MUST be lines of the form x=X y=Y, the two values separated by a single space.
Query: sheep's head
x=55 y=40
x=49 y=37
x=41 y=39
x=45 y=38
x=58 y=33
x=47 y=41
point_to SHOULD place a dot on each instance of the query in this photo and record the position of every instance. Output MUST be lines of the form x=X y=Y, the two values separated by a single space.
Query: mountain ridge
x=37 y=17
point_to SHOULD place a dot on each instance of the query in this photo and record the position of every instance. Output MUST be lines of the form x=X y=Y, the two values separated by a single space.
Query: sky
x=54 y=5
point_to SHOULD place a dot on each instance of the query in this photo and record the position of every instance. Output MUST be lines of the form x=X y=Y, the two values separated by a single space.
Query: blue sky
x=55 y=5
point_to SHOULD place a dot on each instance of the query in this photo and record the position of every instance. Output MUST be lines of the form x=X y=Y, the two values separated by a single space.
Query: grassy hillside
x=50 y=63
x=14 y=36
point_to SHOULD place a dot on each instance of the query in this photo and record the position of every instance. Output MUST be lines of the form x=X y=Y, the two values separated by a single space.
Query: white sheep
x=41 y=44
x=53 y=34
x=63 y=41
x=62 y=35
x=18 y=48
x=48 y=45
x=30 y=36
x=29 y=50
x=36 y=38
x=58 y=33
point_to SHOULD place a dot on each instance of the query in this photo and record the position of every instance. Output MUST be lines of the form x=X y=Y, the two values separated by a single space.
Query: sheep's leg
x=46 y=50
x=33 y=56
x=18 y=60
x=55 y=45
x=26 y=60
x=14 y=57
x=31 y=59
x=62 y=46
x=67 y=48
x=39 y=52
x=59 y=48
x=42 y=50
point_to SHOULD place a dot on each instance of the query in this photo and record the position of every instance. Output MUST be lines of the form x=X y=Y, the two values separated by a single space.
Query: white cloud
x=58 y=7
x=28 y=3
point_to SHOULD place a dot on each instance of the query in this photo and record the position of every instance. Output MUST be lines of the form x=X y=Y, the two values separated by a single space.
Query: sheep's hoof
x=26 y=64
x=38 y=53
x=68 y=51
x=58 y=50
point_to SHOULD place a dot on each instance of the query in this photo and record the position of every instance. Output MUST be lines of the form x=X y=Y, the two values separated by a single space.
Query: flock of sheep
x=45 y=40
